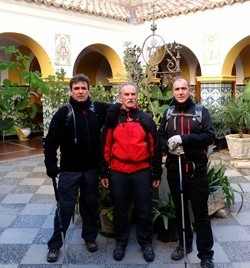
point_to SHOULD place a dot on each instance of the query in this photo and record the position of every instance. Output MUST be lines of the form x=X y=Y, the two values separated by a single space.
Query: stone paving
x=27 y=207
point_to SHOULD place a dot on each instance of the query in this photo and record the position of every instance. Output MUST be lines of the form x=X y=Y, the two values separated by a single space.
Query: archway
x=237 y=61
x=17 y=39
x=101 y=63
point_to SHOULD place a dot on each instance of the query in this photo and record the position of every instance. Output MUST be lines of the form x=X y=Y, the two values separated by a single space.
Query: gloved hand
x=174 y=142
x=112 y=114
x=177 y=151
x=52 y=171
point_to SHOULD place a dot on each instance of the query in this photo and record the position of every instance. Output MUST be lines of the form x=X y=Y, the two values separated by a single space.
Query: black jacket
x=196 y=136
x=79 y=141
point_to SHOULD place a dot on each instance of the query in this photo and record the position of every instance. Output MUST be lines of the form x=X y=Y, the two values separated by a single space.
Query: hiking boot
x=207 y=263
x=119 y=252
x=178 y=253
x=148 y=253
x=52 y=255
x=91 y=246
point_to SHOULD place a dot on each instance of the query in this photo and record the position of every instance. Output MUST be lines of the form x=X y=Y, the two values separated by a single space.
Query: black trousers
x=138 y=186
x=195 y=190
x=68 y=186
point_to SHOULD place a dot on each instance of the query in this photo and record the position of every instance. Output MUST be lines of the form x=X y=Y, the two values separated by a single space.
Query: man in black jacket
x=75 y=129
x=182 y=129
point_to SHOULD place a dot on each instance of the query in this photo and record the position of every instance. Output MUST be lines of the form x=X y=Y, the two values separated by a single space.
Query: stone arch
x=102 y=60
x=238 y=59
x=41 y=55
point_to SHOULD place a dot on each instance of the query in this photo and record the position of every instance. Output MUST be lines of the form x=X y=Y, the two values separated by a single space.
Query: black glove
x=112 y=114
x=52 y=171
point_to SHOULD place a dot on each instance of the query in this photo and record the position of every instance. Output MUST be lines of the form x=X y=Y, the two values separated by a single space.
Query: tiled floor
x=27 y=207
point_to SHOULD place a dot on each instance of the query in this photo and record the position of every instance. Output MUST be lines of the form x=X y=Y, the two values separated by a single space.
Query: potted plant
x=18 y=96
x=164 y=219
x=236 y=115
x=220 y=128
x=105 y=209
x=106 y=213
x=221 y=192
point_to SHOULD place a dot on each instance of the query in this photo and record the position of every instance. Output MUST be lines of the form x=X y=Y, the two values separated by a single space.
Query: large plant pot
x=215 y=201
x=107 y=226
x=166 y=235
x=239 y=148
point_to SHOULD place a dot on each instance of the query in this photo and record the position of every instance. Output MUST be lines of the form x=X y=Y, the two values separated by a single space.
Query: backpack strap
x=198 y=112
x=197 y=115
x=70 y=114
x=170 y=112
x=92 y=107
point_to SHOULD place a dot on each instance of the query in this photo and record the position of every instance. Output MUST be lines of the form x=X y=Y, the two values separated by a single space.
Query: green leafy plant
x=217 y=118
x=164 y=210
x=236 y=113
x=105 y=202
x=17 y=104
x=57 y=89
x=100 y=93
x=151 y=98
x=217 y=179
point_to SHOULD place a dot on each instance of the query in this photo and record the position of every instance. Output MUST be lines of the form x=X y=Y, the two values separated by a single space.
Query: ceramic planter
x=239 y=148
x=23 y=133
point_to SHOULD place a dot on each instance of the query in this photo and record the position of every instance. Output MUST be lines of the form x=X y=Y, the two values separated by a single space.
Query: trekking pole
x=182 y=212
x=60 y=220
x=179 y=151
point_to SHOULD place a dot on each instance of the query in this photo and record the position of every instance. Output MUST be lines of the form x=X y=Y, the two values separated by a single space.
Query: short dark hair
x=181 y=78
x=79 y=78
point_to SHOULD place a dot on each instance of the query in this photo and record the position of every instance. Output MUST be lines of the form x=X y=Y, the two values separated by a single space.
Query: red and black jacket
x=131 y=144
x=196 y=136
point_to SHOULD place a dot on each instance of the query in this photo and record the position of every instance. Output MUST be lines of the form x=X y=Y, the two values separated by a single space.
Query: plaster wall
x=228 y=25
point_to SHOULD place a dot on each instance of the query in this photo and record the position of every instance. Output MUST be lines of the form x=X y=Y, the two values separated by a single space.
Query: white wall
x=229 y=24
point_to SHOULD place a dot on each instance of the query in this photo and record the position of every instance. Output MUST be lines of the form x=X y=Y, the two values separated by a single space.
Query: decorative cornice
x=215 y=79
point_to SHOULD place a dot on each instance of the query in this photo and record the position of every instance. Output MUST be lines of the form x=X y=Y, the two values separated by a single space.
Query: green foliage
x=216 y=117
x=105 y=202
x=151 y=98
x=57 y=89
x=217 y=179
x=164 y=210
x=108 y=211
x=236 y=113
x=16 y=104
x=100 y=93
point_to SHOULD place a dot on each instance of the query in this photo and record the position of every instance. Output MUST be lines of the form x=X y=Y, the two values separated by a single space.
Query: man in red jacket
x=131 y=165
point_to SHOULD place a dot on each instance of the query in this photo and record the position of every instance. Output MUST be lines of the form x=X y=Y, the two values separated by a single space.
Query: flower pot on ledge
x=239 y=148
x=23 y=133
